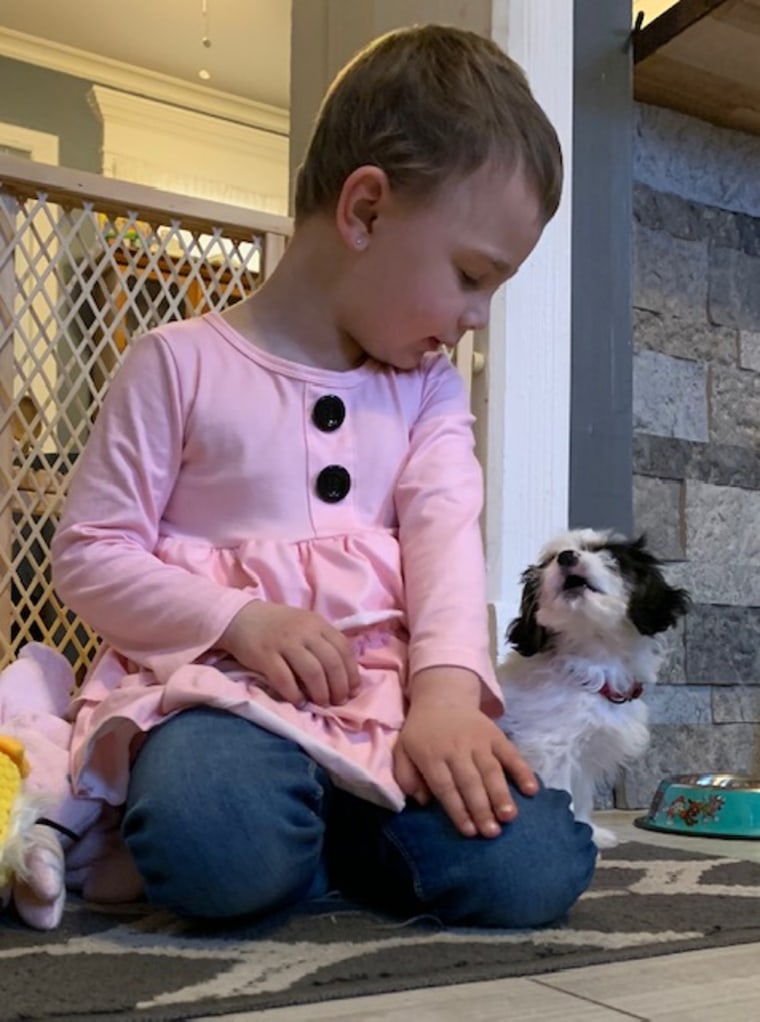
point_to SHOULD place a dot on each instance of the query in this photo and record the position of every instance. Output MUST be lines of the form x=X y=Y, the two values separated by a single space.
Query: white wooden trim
x=134 y=111
x=41 y=145
x=154 y=143
x=104 y=71
x=523 y=400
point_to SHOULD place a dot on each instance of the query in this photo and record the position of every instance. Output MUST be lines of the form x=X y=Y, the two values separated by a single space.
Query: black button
x=329 y=413
x=333 y=483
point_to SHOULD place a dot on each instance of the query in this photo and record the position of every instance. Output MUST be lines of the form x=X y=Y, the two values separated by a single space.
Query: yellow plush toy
x=31 y=859
x=15 y=818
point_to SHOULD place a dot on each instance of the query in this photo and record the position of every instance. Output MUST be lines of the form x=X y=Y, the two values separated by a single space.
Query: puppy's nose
x=567 y=558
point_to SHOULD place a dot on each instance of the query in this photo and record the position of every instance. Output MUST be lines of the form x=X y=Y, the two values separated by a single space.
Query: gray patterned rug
x=139 y=963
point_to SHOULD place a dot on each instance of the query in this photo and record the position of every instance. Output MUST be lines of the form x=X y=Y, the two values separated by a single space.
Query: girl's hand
x=297 y=652
x=449 y=749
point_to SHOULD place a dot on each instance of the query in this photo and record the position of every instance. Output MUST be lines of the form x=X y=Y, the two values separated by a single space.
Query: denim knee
x=530 y=875
x=550 y=864
x=222 y=818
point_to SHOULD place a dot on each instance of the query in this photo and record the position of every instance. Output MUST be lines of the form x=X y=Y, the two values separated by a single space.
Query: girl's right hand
x=297 y=652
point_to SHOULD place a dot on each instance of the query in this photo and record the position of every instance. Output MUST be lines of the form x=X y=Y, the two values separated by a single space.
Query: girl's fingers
x=495 y=784
x=280 y=678
x=408 y=777
x=309 y=674
x=459 y=798
x=475 y=793
x=334 y=667
x=345 y=651
x=482 y=805
x=515 y=765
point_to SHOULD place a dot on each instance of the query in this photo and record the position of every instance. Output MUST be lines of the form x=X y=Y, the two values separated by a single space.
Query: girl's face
x=425 y=274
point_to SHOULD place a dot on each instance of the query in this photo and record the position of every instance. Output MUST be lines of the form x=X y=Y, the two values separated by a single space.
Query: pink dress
x=203 y=486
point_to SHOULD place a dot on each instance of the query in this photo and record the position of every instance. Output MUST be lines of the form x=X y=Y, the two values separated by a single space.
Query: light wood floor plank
x=517 y=999
x=714 y=985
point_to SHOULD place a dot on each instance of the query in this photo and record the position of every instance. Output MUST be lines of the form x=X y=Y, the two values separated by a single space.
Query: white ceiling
x=249 y=54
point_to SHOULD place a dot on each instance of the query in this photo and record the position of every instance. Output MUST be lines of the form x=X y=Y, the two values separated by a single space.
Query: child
x=274 y=527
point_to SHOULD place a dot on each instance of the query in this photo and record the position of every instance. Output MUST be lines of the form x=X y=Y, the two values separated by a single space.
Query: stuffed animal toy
x=31 y=857
x=16 y=819
x=41 y=817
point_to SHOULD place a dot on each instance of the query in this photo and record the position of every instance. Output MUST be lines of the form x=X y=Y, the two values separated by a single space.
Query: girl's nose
x=475 y=316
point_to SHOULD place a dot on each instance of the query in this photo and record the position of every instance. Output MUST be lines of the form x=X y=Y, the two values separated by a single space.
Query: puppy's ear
x=653 y=606
x=525 y=633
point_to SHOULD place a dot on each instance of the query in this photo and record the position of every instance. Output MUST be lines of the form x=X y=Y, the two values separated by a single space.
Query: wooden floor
x=698 y=986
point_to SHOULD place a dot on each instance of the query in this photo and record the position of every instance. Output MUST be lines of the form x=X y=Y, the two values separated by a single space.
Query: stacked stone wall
x=696 y=293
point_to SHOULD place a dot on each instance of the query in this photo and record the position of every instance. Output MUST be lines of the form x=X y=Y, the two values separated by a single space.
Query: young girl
x=274 y=528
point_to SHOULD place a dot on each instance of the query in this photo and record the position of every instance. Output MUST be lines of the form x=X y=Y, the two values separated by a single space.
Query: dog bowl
x=706 y=805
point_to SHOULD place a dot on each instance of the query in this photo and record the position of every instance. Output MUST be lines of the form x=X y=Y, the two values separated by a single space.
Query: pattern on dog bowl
x=706 y=805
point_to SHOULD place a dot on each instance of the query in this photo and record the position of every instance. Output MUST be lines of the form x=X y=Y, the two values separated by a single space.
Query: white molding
x=523 y=401
x=186 y=151
x=118 y=75
x=139 y=113
x=190 y=152
x=41 y=145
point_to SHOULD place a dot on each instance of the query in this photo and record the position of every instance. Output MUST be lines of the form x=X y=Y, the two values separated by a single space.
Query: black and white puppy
x=587 y=642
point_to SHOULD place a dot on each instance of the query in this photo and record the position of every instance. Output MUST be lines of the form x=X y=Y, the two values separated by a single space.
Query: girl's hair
x=428 y=104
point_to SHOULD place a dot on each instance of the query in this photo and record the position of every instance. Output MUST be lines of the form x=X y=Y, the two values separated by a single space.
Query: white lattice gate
x=86 y=264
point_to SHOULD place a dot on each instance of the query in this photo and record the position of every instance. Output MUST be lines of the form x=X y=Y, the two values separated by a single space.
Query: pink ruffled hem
x=354 y=742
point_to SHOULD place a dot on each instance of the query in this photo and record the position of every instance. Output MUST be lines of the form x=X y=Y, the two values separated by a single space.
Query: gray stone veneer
x=696 y=452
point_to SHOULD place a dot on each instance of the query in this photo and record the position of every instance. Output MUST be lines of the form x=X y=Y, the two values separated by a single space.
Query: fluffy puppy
x=587 y=642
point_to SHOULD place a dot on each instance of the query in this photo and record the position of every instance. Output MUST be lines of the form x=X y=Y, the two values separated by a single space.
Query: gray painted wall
x=601 y=390
x=43 y=100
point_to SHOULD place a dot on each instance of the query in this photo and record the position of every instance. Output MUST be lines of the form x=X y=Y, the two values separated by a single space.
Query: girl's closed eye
x=468 y=280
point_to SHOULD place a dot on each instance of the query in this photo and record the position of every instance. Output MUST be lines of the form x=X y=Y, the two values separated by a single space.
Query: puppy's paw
x=604 y=838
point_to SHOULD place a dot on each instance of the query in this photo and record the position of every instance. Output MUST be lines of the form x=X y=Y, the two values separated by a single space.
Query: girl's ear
x=360 y=199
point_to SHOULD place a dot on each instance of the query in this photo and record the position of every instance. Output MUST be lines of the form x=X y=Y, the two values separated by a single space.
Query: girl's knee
x=205 y=842
x=549 y=859
x=200 y=870
x=530 y=875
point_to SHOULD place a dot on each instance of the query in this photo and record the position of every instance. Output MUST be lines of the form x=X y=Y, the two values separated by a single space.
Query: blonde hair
x=426 y=105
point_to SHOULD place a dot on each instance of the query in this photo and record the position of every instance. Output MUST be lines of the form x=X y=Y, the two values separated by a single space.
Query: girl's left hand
x=450 y=749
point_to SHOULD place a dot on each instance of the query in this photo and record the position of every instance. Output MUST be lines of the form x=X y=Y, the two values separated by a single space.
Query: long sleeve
x=104 y=565
x=439 y=498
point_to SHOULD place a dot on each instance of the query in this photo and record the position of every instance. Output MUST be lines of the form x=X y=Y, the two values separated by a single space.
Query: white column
x=522 y=401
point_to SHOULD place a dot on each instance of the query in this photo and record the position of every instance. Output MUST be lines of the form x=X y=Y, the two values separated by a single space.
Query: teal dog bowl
x=706 y=805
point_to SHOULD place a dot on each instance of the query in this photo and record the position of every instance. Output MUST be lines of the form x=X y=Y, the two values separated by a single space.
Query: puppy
x=586 y=644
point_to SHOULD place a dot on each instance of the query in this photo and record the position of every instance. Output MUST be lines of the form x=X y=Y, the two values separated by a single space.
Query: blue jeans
x=226 y=819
